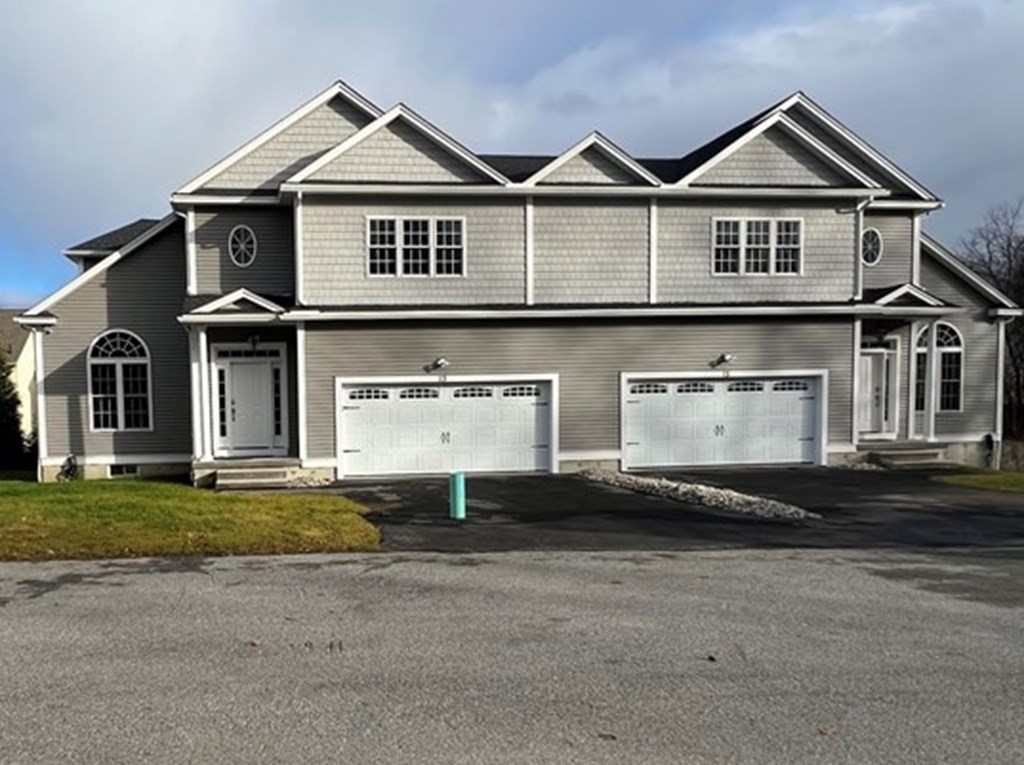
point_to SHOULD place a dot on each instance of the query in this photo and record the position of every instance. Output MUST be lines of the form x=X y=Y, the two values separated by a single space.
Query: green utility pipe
x=457 y=496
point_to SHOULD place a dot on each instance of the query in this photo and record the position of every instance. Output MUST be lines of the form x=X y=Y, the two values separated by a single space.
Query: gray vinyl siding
x=685 y=250
x=588 y=356
x=288 y=152
x=143 y=294
x=591 y=167
x=842 y=148
x=896 y=264
x=590 y=251
x=980 y=353
x=335 y=253
x=398 y=153
x=273 y=270
x=773 y=159
x=267 y=335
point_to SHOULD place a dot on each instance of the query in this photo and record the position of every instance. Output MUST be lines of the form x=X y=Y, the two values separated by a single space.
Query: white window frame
x=773 y=246
x=255 y=245
x=119 y=364
x=881 y=247
x=399 y=221
x=940 y=350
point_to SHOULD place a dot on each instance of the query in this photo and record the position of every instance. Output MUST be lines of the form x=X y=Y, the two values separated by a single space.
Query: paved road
x=786 y=656
x=860 y=509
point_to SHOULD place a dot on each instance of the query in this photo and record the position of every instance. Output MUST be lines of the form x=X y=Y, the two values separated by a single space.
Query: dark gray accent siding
x=588 y=357
x=591 y=251
x=335 y=251
x=143 y=294
x=273 y=271
x=685 y=251
x=773 y=158
x=399 y=153
x=896 y=264
x=288 y=152
x=591 y=166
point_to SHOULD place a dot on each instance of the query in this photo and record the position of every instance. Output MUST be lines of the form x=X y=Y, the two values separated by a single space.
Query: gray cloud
x=109 y=106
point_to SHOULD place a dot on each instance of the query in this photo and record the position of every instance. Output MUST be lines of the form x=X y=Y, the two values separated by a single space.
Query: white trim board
x=418 y=123
x=102 y=266
x=912 y=290
x=338 y=88
x=122 y=459
x=605 y=147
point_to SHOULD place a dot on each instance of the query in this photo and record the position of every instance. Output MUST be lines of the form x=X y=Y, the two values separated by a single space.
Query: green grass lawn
x=133 y=518
x=993 y=480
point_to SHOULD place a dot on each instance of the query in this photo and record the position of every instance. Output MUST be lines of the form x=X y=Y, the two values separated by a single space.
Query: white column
x=205 y=409
x=931 y=387
x=652 y=251
x=191 y=267
x=41 y=437
x=529 y=250
x=300 y=297
x=912 y=382
x=300 y=393
x=857 y=333
x=1000 y=373
x=195 y=388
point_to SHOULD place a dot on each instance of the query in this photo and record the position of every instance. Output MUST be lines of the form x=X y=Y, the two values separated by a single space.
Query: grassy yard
x=994 y=480
x=133 y=518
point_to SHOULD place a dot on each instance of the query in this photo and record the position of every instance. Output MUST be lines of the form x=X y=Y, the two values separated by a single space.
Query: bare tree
x=995 y=250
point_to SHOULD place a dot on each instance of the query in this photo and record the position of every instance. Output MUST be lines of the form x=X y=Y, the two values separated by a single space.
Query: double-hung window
x=771 y=246
x=415 y=246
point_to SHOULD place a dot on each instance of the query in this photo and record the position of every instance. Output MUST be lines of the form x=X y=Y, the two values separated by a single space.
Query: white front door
x=251 y=406
x=874 y=404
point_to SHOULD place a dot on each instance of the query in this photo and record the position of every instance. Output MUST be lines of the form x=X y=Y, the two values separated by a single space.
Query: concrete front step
x=252 y=478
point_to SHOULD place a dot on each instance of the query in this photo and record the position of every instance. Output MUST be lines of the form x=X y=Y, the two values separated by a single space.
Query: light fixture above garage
x=723 y=358
x=437 y=364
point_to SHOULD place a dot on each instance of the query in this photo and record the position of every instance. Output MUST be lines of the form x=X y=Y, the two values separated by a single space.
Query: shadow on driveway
x=860 y=509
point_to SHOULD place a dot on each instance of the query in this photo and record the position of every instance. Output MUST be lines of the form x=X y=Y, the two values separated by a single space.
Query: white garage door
x=721 y=422
x=416 y=428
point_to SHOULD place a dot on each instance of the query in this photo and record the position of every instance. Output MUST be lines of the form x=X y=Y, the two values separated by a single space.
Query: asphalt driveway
x=860 y=509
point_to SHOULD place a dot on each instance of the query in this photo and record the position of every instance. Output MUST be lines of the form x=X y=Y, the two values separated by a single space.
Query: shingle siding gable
x=773 y=158
x=591 y=166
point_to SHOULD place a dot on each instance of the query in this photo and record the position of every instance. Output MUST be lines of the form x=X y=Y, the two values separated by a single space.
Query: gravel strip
x=699 y=494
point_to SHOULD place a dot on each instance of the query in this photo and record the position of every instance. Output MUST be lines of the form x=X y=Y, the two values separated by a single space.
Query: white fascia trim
x=401 y=111
x=102 y=266
x=906 y=204
x=35 y=321
x=856 y=142
x=913 y=291
x=514 y=189
x=953 y=263
x=606 y=147
x=864 y=309
x=186 y=200
x=995 y=313
x=230 y=318
x=780 y=119
x=123 y=459
x=338 y=88
x=191 y=266
x=75 y=254
x=233 y=297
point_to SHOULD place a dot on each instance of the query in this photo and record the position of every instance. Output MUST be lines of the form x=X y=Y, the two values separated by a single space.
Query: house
x=15 y=348
x=355 y=293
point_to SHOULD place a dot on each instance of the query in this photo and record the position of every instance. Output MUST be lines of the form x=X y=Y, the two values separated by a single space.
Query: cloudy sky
x=109 y=105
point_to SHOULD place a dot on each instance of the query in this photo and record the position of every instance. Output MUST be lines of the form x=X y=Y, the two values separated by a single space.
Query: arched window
x=949 y=346
x=119 y=397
